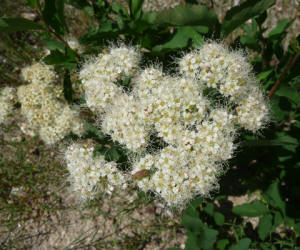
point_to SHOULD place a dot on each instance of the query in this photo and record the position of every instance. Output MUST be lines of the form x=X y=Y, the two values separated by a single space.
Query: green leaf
x=201 y=240
x=191 y=242
x=219 y=218
x=222 y=244
x=66 y=60
x=173 y=248
x=136 y=8
x=192 y=223
x=31 y=3
x=264 y=75
x=297 y=229
x=9 y=25
x=277 y=220
x=291 y=142
x=243 y=244
x=238 y=15
x=53 y=44
x=207 y=238
x=181 y=39
x=187 y=15
x=273 y=197
x=209 y=209
x=112 y=154
x=265 y=226
x=89 y=10
x=280 y=28
x=253 y=209
x=53 y=15
x=289 y=93
x=94 y=131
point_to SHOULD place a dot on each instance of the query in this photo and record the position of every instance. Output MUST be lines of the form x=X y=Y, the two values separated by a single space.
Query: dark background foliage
x=266 y=166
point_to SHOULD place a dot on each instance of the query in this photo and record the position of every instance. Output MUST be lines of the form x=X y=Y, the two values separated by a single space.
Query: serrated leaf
x=273 y=197
x=280 y=28
x=253 y=209
x=9 y=25
x=190 y=222
x=238 y=15
x=264 y=226
x=191 y=242
x=222 y=244
x=187 y=15
x=219 y=218
x=207 y=238
x=243 y=244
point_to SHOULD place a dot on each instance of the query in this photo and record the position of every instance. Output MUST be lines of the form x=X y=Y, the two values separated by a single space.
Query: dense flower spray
x=192 y=134
x=44 y=106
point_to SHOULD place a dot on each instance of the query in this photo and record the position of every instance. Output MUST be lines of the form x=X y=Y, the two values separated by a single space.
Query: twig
x=290 y=64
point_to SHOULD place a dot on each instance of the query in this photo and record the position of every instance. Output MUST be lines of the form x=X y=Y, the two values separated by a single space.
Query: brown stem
x=290 y=64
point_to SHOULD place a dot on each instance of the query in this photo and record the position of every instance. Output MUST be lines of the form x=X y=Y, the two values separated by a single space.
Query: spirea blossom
x=215 y=66
x=44 y=106
x=7 y=96
x=90 y=175
x=99 y=76
x=193 y=135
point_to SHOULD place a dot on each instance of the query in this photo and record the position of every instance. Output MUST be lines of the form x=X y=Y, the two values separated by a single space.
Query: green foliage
x=238 y=15
x=9 y=25
x=268 y=166
x=253 y=209
x=189 y=15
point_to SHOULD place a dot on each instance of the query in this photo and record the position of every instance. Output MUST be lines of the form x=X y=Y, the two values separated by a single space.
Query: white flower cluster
x=44 y=106
x=100 y=74
x=215 y=66
x=89 y=174
x=172 y=113
x=7 y=96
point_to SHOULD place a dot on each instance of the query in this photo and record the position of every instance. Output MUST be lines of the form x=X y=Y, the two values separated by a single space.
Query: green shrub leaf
x=280 y=28
x=9 y=25
x=238 y=15
x=53 y=15
x=136 y=8
x=253 y=209
x=265 y=226
x=219 y=218
x=273 y=197
x=187 y=15
x=242 y=245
